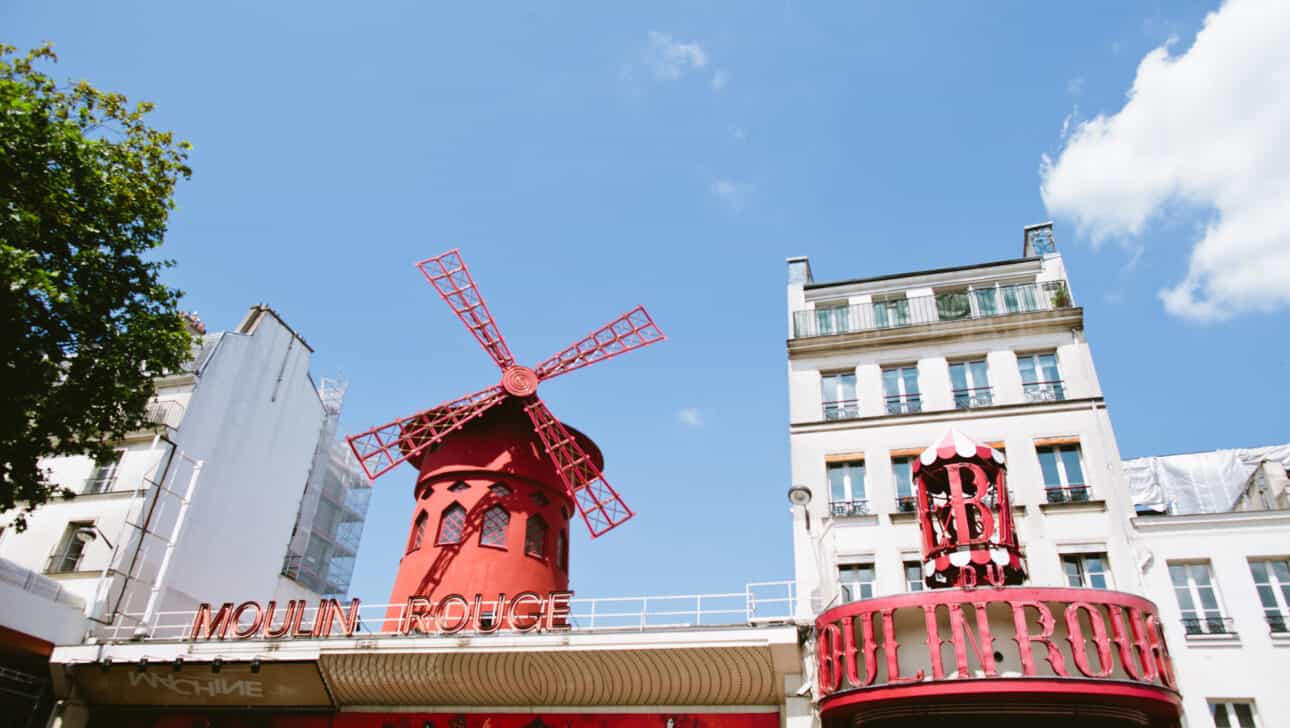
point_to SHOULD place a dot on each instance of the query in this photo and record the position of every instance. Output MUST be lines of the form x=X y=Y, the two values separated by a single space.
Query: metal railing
x=915 y=310
x=842 y=409
x=842 y=508
x=1067 y=493
x=1044 y=391
x=1207 y=625
x=1278 y=622
x=906 y=504
x=759 y=603
x=907 y=405
x=973 y=397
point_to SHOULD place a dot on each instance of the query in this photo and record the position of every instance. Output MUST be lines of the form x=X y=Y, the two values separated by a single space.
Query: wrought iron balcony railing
x=1044 y=391
x=1207 y=625
x=843 y=409
x=973 y=397
x=843 y=508
x=915 y=310
x=1067 y=493
x=906 y=504
x=907 y=405
x=1278 y=622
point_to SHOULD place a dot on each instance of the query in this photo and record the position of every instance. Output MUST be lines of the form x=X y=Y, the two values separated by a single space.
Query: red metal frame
x=598 y=503
x=383 y=448
x=632 y=330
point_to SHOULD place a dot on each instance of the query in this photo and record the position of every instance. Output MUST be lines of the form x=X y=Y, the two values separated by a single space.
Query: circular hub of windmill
x=519 y=381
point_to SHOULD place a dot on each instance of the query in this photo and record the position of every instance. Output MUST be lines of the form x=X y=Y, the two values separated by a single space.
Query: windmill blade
x=382 y=448
x=451 y=279
x=632 y=330
x=598 y=503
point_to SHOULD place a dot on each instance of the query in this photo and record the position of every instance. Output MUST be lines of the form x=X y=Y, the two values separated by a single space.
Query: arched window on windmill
x=562 y=550
x=452 y=524
x=418 y=531
x=493 y=532
x=535 y=537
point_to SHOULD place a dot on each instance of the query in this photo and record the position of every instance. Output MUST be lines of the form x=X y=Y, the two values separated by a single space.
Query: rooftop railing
x=825 y=320
x=759 y=603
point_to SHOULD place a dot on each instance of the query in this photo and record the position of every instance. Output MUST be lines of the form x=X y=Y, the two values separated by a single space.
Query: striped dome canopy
x=955 y=444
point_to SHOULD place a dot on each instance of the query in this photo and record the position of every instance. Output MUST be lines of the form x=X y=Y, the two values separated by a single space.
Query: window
x=832 y=318
x=900 y=385
x=458 y=487
x=535 y=537
x=1232 y=714
x=914 y=577
x=846 y=489
x=452 y=524
x=1272 y=580
x=971 y=382
x=493 y=533
x=902 y=472
x=540 y=499
x=1063 y=474
x=856 y=581
x=1086 y=571
x=67 y=557
x=891 y=312
x=103 y=475
x=838 y=391
x=1019 y=298
x=1040 y=380
x=418 y=531
x=562 y=550
x=499 y=490
x=1198 y=599
x=995 y=300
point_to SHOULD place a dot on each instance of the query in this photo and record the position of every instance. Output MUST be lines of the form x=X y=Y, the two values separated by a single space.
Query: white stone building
x=202 y=506
x=879 y=368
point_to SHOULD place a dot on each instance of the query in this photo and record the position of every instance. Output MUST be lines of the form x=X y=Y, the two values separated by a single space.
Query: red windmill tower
x=498 y=474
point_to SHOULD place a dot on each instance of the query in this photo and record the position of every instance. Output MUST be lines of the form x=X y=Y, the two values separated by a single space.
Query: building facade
x=240 y=455
x=879 y=368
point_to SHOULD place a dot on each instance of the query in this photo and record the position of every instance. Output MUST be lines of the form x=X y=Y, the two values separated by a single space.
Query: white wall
x=1253 y=663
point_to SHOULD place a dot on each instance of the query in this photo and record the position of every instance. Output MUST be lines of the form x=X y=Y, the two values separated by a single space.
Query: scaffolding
x=329 y=526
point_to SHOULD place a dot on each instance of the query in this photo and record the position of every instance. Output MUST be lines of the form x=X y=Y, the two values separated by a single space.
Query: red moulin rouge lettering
x=526 y=612
x=1054 y=634
x=229 y=618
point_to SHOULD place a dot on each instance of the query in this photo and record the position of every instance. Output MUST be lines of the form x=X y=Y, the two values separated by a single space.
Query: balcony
x=844 y=508
x=916 y=310
x=907 y=405
x=167 y=412
x=842 y=409
x=1043 y=391
x=906 y=504
x=1207 y=625
x=973 y=397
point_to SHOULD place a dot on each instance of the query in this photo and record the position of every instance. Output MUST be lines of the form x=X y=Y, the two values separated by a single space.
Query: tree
x=86 y=324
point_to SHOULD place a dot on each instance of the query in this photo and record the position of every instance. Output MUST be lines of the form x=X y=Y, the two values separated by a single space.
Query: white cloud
x=671 y=59
x=729 y=192
x=690 y=416
x=719 y=80
x=1204 y=129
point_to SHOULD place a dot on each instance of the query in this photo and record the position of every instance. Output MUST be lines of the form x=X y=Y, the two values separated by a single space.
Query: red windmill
x=499 y=464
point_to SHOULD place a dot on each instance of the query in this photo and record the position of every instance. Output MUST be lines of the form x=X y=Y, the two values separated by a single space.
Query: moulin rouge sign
x=524 y=612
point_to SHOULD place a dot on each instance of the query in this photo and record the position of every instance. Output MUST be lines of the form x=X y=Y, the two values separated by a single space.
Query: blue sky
x=588 y=158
